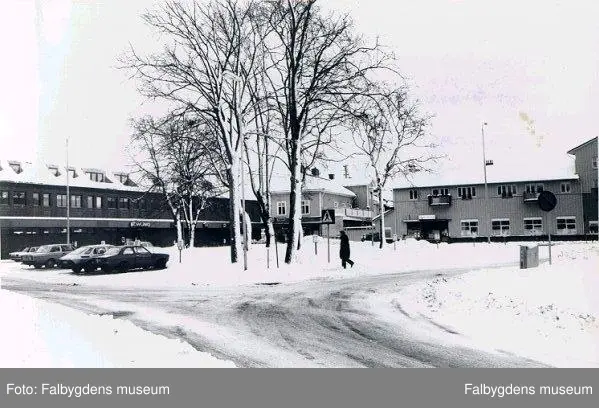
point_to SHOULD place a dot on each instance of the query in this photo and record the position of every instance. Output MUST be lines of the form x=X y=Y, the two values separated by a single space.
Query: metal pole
x=245 y=229
x=482 y=129
x=68 y=197
x=276 y=249
x=328 y=243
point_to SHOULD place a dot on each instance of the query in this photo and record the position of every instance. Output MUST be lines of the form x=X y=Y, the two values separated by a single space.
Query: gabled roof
x=572 y=150
x=56 y=175
x=311 y=184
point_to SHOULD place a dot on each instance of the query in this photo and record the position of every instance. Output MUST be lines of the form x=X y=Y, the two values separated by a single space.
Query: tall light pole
x=482 y=130
x=68 y=196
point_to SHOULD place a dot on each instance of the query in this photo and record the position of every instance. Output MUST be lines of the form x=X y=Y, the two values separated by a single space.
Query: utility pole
x=68 y=196
x=482 y=129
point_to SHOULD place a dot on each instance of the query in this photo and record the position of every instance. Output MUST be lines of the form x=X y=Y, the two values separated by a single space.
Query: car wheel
x=160 y=264
x=106 y=269
x=50 y=263
x=37 y=266
x=76 y=269
x=89 y=268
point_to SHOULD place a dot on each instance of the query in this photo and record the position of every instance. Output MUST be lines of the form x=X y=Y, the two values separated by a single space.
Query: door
x=143 y=257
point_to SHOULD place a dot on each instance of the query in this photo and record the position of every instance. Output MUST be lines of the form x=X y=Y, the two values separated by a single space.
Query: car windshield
x=80 y=250
x=112 y=251
x=33 y=249
x=44 y=249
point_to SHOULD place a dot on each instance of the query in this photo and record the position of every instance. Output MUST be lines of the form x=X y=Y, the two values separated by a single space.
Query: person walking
x=344 y=251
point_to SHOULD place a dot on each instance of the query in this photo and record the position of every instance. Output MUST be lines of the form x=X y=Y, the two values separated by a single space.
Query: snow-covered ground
x=42 y=334
x=549 y=313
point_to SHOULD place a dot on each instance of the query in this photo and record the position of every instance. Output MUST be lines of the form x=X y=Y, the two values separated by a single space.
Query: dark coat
x=344 y=247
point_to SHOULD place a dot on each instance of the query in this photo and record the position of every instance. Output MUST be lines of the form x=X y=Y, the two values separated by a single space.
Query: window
x=467 y=192
x=281 y=208
x=469 y=228
x=89 y=202
x=413 y=194
x=35 y=199
x=141 y=250
x=500 y=226
x=128 y=251
x=565 y=187
x=16 y=167
x=506 y=190
x=440 y=191
x=141 y=204
x=566 y=225
x=75 y=201
x=305 y=207
x=336 y=204
x=123 y=178
x=124 y=203
x=3 y=197
x=98 y=202
x=594 y=162
x=46 y=200
x=533 y=226
x=19 y=198
x=593 y=228
x=534 y=188
x=111 y=202
x=95 y=176
x=61 y=200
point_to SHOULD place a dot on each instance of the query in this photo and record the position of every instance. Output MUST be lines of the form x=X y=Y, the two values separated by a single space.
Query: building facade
x=318 y=194
x=102 y=206
x=508 y=210
x=585 y=163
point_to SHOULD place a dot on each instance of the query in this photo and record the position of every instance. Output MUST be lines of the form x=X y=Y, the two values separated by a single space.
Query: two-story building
x=506 y=207
x=318 y=193
x=102 y=206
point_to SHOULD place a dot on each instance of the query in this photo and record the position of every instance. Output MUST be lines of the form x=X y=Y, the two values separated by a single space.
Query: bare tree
x=317 y=66
x=174 y=162
x=204 y=68
x=390 y=133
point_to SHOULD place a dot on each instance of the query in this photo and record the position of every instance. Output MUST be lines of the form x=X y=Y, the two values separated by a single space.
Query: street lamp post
x=68 y=196
x=482 y=129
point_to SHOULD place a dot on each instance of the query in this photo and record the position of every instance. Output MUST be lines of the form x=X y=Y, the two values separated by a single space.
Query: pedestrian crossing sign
x=328 y=216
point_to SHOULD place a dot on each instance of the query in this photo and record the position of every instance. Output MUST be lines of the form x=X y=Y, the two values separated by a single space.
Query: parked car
x=124 y=258
x=47 y=255
x=83 y=258
x=377 y=238
x=18 y=255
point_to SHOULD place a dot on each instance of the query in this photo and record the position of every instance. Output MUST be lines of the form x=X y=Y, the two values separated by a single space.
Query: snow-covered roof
x=56 y=175
x=506 y=171
x=312 y=184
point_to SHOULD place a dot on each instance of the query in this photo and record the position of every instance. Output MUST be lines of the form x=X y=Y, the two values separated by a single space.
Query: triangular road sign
x=327 y=217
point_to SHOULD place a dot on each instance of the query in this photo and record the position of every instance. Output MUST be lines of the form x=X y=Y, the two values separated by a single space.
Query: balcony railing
x=530 y=197
x=439 y=200
x=354 y=212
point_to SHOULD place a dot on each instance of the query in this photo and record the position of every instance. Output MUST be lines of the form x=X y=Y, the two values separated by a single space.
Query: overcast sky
x=509 y=63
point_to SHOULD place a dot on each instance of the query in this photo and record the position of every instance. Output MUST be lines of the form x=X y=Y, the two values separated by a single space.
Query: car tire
x=37 y=266
x=106 y=269
x=50 y=263
x=89 y=268
x=76 y=269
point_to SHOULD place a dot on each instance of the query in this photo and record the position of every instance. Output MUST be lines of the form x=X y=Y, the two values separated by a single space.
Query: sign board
x=427 y=217
x=327 y=216
x=180 y=245
x=394 y=237
x=141 y=224
x=547 y=200
x=315 y=238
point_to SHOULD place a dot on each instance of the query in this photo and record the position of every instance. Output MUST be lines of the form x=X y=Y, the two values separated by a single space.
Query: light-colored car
x=16 y=256
x=46 y=255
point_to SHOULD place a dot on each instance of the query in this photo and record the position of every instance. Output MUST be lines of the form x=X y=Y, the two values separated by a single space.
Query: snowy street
x=313 y=323
x=417 y=305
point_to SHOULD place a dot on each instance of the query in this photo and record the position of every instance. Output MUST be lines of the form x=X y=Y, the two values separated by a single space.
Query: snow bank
x=42 y=334
x=549 y=313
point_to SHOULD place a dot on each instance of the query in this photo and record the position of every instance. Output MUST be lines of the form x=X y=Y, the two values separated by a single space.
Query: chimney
x=315 y=172
x=345 y=171
x=331 y=176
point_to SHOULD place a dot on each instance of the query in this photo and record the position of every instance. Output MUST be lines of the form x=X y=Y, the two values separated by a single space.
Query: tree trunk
x=247 y=229
x=234 y=210
x=382 y=217
x=179 y=228
x=294 y=203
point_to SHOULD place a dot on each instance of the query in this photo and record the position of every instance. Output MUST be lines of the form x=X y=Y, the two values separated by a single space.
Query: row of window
x=504 y=190
x=282 y=207
x=19 y=198
x=533 y=226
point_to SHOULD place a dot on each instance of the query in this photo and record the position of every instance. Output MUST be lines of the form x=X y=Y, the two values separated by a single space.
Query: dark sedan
x=128 y=257
x=83 y=258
